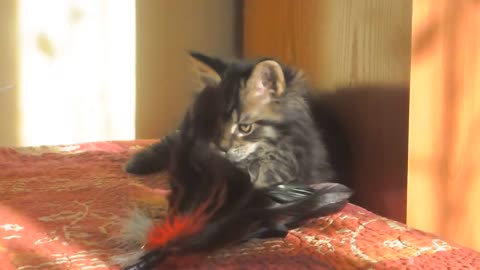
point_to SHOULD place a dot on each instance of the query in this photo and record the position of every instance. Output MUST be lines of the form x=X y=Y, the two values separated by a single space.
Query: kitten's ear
x=208 y=69
x=267 y=80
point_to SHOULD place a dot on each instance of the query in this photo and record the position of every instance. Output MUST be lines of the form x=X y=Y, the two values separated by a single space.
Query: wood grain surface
x=336 y=42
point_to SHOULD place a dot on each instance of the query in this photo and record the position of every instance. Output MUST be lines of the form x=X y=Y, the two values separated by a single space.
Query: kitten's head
x=262 y=98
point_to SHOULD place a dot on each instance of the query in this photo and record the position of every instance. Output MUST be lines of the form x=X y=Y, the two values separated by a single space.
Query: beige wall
x=165 y=31
x=8 y=74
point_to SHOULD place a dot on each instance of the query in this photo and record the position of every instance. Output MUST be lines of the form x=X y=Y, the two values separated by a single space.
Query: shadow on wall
x=374 y=120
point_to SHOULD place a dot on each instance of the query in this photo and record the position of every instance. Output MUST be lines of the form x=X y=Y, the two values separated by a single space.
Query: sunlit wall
x=77 y=71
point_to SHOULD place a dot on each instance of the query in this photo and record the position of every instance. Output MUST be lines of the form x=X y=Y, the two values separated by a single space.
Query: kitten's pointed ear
x=208 y=69
x=267 y=79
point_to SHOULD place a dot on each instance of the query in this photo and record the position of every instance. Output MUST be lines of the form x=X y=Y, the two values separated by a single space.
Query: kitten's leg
x=152 y=159
x=267 y=173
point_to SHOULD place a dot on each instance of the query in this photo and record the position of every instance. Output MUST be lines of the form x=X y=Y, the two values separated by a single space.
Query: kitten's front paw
x=133 y=166
x=147 y=161
x=143 y=163
x=137 y=166
x=154 y=158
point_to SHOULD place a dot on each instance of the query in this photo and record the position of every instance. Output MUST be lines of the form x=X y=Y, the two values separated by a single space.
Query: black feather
x=149 y=260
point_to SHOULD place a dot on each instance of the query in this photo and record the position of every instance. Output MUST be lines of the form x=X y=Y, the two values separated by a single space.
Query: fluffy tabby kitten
x=268 y=128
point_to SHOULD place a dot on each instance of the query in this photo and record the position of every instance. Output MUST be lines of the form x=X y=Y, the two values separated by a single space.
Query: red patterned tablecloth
x=60 y=206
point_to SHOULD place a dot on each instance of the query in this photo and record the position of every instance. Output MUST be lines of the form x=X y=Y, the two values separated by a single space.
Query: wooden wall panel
x=444 y=150
x=357 y=51
x=337 y=42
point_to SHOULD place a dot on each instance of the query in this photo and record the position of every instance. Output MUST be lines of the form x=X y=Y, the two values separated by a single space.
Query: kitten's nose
x=216 y=149
x=223 y=148
x=223 y=145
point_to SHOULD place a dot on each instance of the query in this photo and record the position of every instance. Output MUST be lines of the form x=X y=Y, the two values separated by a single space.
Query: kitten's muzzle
x=217 y=149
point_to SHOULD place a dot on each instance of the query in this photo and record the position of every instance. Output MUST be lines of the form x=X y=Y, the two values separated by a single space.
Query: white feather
x=132 y=237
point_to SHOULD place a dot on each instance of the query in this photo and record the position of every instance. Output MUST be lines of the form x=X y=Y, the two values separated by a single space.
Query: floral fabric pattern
x=60 y=207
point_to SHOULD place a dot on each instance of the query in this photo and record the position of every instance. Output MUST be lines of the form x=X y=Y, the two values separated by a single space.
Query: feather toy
x=213 y=204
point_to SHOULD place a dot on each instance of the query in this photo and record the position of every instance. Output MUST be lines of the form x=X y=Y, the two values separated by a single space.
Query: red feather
x=180 y=226
x=177 y=227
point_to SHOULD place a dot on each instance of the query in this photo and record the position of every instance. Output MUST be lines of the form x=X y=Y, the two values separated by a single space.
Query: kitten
x=267 y=129
x=220 y=207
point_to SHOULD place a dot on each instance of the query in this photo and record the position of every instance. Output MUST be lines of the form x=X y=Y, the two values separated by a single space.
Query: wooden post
x=444 y=131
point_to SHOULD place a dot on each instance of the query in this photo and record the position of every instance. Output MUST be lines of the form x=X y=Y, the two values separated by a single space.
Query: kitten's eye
x=245 y=128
